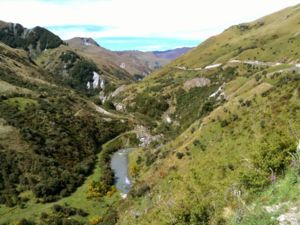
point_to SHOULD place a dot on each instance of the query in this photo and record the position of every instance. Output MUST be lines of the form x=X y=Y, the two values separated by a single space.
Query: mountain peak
x=83 y=41
x=88 y=41
x=35 y=40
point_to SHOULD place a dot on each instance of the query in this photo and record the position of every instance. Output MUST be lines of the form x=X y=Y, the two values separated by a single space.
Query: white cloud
x=188 y=19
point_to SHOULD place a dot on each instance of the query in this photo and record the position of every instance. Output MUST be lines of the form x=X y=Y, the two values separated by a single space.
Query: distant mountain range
x=136 y=63
x=214 y=134
x=171 y=54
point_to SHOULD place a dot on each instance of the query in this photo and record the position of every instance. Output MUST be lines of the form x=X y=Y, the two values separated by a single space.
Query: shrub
x=193 y=104
x=139 y=160
x=207 y=107
x=271 y=157
x=109 y=105
x=69 y=57
x=110 y=218
x=194 y=214
x=149 y=105
x=149 y=158
x=262 y=124
x=96 y=220
x=142 y=190
x=97 y=189
x=179 y=155
x=44 y=215
x=224 y=123
x=24 y=222
x=199 y=144
x=81 y=213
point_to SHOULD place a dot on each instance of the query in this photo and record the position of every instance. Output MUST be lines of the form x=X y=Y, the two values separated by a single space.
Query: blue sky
x=145 y=43
x=119 y=43
x=138 y=24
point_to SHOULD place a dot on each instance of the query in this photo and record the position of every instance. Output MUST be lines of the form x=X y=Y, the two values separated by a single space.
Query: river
x=119 y=165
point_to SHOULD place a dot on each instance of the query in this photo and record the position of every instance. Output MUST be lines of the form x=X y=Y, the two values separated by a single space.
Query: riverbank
x=79 y=199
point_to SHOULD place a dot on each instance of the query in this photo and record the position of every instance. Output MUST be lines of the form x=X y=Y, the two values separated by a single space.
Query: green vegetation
x=68 y=162
x=221 y=145
x=69 y=58
x=72 y=70
x=192 y=105
x=152 y=106
x=38 y=38
x=50 y=143
x=81 y=74
x=276 y=200
x=236 y=136
x=21 y=103
x=80 y=200
x=213 y=160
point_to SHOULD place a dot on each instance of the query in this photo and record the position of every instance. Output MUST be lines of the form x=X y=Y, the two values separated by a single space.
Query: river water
x=119 y=165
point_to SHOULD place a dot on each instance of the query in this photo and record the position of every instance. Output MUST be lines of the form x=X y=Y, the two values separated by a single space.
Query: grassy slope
x=220 y=148
x=280 y=197
x=259 y=40
x=50 y=60
x=212 y=172
x=262 y=39
x=216 y=149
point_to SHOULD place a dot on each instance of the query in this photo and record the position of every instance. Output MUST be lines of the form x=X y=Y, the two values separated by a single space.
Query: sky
x=138 y=24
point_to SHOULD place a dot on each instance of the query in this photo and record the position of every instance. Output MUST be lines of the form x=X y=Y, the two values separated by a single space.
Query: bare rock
x=118 y=91
x=196 y=82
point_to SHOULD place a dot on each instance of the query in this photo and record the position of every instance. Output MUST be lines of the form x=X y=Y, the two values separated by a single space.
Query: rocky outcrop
x=88 y=42
x=120 y=107
x=145 y=137
x=166 y=117
x=196 y=82
x=213 y=66
x=97 y=82
x=219 y=94
x=118 y=91
x=292 y=217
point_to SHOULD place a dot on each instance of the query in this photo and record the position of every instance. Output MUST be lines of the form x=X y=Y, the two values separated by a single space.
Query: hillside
x=261 y=39
x=256 y=45
x=141 y=63
x=61 y=61
x=34 y=40
x=229 y=114
x=52 y=54
x=50 y=135
x=212 y=137
x=116 y=66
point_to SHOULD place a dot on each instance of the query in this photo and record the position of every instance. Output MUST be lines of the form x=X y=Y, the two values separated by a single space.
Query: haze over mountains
x=212 y=137
x=172 y=54
x=134 y=62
